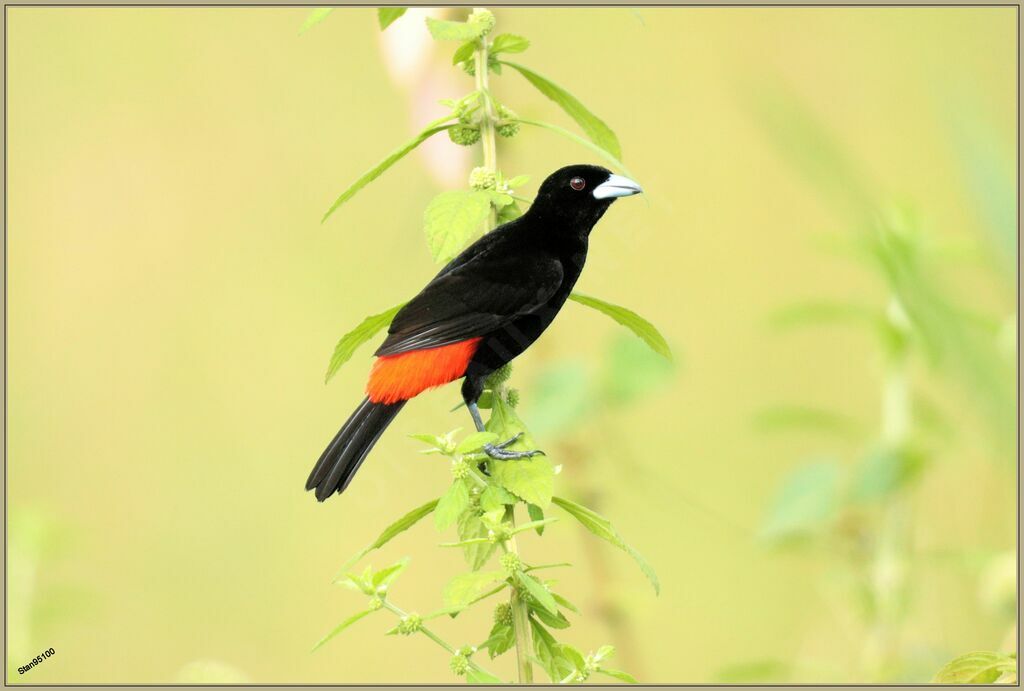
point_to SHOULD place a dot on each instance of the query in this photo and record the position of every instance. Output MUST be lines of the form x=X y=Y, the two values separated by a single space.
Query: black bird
x=483 y=309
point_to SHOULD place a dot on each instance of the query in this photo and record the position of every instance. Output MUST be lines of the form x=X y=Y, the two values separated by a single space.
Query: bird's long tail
x=346 y=452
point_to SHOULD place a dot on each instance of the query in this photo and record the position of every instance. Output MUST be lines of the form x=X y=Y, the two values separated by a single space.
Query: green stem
x=488 y=138
x=431 y=635
x=520 y=619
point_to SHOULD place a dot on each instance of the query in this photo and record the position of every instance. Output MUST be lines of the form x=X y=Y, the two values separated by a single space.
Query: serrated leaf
x=603 y=653
x=536 y=514
x=392 y=158
x=350 y=342
x=500 y=640
x=464 y=52
x=479 y=676
x=476 y=441
x=387 y=575
x=602 y=527
x=494 y=498
x=402 y=524
x=530 y=479
x=981 y=667
x=451 y=505
x=500 y=199
x=540 y=594
x=470 y=526
x=630 y=319
x=386 y=16
x=806 y=502
x=592 y=126
x=509 y=43
x=452 y=220
x=315 y=17
x=341 y=627
x=574 y=656
x=464 y=588
x=617 y=674
x=444 y=30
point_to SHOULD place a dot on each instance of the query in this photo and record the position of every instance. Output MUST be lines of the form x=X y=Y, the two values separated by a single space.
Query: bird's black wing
x=481 y=293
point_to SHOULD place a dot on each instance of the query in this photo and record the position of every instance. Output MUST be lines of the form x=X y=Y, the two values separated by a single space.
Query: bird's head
x=581 y=194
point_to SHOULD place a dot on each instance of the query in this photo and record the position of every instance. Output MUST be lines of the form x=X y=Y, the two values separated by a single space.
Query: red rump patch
x=400 y=377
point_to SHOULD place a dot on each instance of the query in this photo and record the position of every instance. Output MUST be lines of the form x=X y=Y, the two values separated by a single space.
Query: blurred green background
x=173 y=302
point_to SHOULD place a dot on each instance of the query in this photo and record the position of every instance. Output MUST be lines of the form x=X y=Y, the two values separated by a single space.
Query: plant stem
x=488 y=138
x=431 y=635
x=520 y=619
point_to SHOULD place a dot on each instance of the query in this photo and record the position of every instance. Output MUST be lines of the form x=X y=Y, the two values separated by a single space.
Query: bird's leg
x=498 y=451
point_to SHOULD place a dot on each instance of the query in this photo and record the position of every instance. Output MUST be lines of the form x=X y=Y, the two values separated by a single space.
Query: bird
x=484 y=308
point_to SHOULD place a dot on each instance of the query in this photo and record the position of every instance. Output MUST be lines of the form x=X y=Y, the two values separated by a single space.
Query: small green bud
x=510 y=562
x=460 y=469
x=496 y=536
x=512 y=397
x=503 y=613
x=375 y=604
x=464 y=135
x=499 y=376
x=459 y=664
x=410 y=624
x=484 y=19
x=483 y=179
x=507 y=128
x=469 y=67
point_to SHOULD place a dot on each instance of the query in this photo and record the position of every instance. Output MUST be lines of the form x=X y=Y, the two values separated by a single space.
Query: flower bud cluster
x=410 y=624
x=511 y=563
x=483 y=179
x=503 y=613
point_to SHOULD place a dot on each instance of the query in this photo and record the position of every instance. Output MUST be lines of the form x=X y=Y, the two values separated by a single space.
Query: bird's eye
x=577 y=184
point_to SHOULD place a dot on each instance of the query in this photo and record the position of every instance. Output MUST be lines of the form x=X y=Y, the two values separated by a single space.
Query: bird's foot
x=499 y=452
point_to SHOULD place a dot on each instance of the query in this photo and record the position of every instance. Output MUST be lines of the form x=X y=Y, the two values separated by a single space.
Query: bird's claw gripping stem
x=499 y=452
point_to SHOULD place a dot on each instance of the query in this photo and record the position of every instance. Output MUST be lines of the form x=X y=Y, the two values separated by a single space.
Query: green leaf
x=631 y=370
x=479 y=676
x=600 y=151
x=617 y=674
x=884 y=471
x=817 y=312
x=533 y=525
x=631 y=320
x=471 y=527
x=509 y=213
x=554 y=621
x=475 y=442
x=494 y=497
x=402 y=524
x=466 y=587
x=451 y=505
x=530 y=479
x=452 y=220
x=444 y=30
x=464 y=52
x=517 y=181
x=392 y=158
x=805 y=504
x=500 y=640
x=602 y=527
x=539 y=592
x=508 y=43
x=565 y=603
x=593 y=126
x=546 y=647
x=351 y=341
x=536 y=514
x=982 y=667
x=342 y=626
x=387 y=15
x=574 y=656
x=805 y=418
x=315 y=17
x=387 y=575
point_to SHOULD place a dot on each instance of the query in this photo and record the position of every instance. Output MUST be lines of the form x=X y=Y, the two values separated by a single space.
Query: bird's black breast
x=504 y=343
